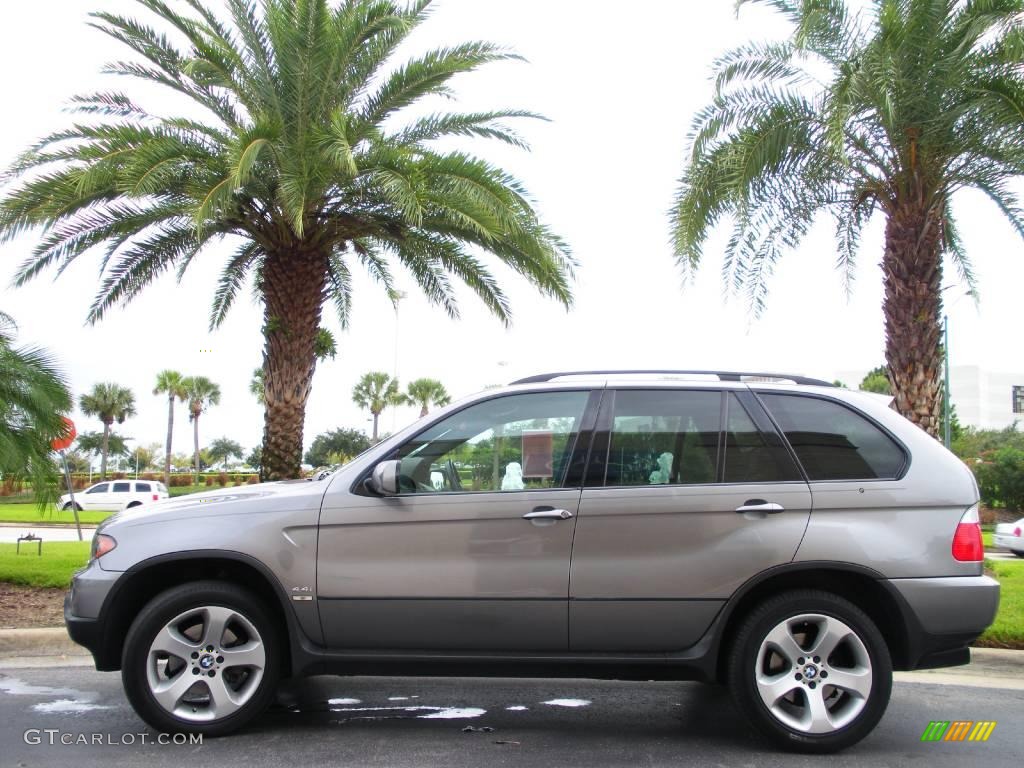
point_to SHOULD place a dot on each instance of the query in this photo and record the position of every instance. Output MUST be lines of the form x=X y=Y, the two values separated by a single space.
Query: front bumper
x=948 y=615
x=83 y=606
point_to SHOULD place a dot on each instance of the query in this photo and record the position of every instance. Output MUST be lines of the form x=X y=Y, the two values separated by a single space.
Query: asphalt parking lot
x=398 y=722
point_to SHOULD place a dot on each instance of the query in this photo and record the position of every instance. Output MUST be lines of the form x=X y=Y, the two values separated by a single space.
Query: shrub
x=253 y=480
x=1001 y=478
x=208 y=481
x=222 y=479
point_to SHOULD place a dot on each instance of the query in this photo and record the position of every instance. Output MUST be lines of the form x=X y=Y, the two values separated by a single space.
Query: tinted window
x=832 y=441
x=663 y=437
x=142 y=487
x=121 y=487
x=101 y=488
x=513 y=443
x=748 y=457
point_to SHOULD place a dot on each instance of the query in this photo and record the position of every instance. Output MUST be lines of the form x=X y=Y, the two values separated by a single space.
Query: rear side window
x=121 y=487
x=142 y=487
x=834 y=442
x=664 y=437
x=748 y=456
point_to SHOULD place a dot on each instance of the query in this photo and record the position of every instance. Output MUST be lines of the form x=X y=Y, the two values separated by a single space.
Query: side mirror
x=384 y=478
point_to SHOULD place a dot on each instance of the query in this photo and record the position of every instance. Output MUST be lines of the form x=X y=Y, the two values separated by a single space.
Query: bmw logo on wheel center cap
x=206 y=661
x=810 y=671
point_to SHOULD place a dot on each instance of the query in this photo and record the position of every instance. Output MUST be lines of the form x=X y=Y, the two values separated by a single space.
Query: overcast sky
x=620 y=83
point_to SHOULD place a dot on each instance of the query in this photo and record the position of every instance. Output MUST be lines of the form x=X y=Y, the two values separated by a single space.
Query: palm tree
x=325 y=347
x=170 y=383
x=33 y=398
x=887 y=110
x=375 y=392
x=200 y=394
x=223 y=448
x=109 y=403
x=308 y=143
x=426 y=393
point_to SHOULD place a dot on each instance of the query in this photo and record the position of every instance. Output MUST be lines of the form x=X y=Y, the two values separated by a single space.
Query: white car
x=1010 y=536
x=116 y=495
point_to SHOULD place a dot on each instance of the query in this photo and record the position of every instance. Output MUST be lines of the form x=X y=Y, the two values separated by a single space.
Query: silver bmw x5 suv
x=794 y=541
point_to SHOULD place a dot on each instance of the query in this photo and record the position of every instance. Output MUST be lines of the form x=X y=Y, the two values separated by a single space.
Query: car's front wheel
x=67 y=506
x=201 y=658
x=811 y=670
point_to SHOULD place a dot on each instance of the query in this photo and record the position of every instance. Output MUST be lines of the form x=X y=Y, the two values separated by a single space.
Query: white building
x=986 y=399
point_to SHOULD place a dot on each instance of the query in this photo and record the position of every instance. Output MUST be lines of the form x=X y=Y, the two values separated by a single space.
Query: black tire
x=161 y=610
x=67 y=507
x=744 y=657
x=1017 y=552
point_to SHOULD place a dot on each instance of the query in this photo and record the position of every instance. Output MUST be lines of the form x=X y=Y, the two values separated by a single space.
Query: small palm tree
x=426 y=393
x=33 y=397
x=892 y=108
x=375 y=392
x=109 y=403
x=172 y=384
x=200 y=394
x=224 y=448
x=308 y=142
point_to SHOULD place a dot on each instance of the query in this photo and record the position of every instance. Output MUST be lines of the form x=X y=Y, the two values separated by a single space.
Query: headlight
x=101 y=544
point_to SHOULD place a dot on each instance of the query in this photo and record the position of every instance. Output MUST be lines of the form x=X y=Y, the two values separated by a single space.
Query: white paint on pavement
x=567 y=703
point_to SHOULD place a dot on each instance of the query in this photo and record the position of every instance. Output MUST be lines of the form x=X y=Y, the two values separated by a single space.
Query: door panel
x=439 y=567
x=655 y=558
x=452 y=571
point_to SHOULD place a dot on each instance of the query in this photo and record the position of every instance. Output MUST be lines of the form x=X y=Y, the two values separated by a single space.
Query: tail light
x=155 y=497
x=967 y=544
x=1016 y=531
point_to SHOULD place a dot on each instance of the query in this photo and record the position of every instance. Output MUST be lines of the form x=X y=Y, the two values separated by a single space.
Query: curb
x=46 y=641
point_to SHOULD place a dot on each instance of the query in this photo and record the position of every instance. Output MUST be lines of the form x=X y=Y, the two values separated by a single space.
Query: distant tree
x=109 y=403
x=329 y=447
x=375 y=392
x=427 y=393
x=224 y=448
x=144 y=456
x=1001 y=478
x=33 y=398
x=200 y=393
x=973 y=443
x=93 y=443
x=172 y=384
x=255 y=458
x=77 y=460
x=257 y=387
x=838 y=383
x=877 y=381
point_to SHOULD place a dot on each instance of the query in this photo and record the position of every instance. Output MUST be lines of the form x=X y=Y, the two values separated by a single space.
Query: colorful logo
x=958 y=730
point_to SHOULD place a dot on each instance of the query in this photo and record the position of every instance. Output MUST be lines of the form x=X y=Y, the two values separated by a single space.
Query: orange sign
x=64 y=441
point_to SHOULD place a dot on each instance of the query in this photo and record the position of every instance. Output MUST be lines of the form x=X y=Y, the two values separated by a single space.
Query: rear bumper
x=948 y=614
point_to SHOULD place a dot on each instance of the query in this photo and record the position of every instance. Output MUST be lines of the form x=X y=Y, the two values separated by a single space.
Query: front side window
x=664 y=437
x=101 y=488
x=122 y=487
x=834 y=442
x=512 y=443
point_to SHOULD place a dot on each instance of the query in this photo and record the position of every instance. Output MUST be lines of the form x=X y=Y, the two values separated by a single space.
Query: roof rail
x=722 y=376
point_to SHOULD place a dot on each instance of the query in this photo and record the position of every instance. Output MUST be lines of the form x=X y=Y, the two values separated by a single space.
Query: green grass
x=30 y=514
x=1007 y=631
x=60 y=559
x=986 y=539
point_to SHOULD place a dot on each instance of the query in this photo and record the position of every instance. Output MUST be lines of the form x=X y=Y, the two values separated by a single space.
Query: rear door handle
x=547 y=513
x=760 y=505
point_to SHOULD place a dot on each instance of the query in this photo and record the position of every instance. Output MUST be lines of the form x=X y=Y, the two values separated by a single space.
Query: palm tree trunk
x=293 y=288
x=170 y=432
x=376 y=416
x=106 y=448
x=912 y=268
x=423 y=410
x=195 y=442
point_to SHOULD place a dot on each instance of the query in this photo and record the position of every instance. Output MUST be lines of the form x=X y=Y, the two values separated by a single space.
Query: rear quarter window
x=834 y=442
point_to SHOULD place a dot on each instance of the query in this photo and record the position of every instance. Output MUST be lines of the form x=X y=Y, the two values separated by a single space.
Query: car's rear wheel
x=1017 y=552
x=201 y=658
x=811 y=670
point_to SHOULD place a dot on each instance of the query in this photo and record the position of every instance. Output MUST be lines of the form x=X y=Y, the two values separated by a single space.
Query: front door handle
x=547 y=513
x=760 y=505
